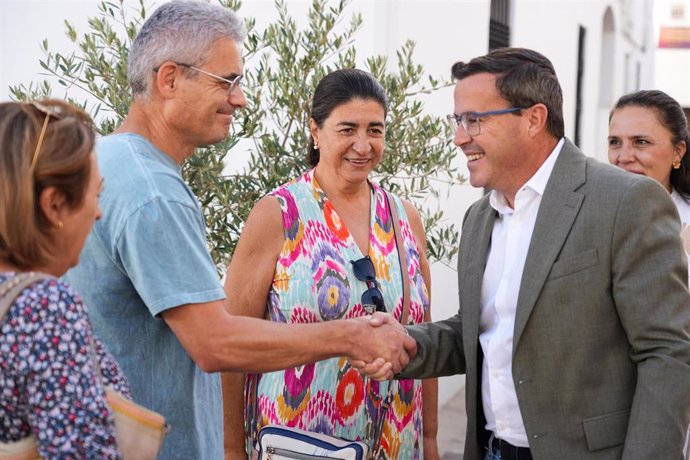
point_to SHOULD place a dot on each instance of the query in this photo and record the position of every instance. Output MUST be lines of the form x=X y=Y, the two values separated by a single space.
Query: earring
x=676 y=163
x=58 y=226
x=316 y=144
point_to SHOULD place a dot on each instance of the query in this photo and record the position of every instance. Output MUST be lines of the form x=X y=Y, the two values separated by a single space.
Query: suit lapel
x=480 y=226
x=559 y=207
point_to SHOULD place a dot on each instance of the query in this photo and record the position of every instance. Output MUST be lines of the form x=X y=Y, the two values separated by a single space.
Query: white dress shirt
x=684 y=213
x=510 y=241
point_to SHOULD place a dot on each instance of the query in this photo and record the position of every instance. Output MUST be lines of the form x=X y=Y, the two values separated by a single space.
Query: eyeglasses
x=470 y=120
x=372 y=299
x=230 y=85
x=48 y=111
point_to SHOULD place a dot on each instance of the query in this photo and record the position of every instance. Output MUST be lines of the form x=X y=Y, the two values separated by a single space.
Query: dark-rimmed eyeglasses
x=470 y=120
x=372 y=298
x=229 y=84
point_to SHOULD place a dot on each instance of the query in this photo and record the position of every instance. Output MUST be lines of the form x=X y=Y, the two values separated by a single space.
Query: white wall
x=23 y=26
x=386 y=25
x=557 y=38
x=672 y=70
x=445 y=31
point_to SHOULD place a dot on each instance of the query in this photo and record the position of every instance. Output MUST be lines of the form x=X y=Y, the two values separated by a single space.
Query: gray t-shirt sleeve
x=163 y=250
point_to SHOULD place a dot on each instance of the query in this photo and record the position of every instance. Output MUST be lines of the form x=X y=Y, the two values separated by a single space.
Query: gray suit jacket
x=601 y=353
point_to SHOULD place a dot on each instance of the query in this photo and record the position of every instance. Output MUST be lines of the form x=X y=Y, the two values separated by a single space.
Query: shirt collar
x=537 y=182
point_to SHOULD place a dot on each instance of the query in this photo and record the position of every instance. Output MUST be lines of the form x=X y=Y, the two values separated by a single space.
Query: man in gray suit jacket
x=574 y=320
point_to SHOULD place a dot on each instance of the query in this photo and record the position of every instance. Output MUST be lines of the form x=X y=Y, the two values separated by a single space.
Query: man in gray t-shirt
x=146 y=273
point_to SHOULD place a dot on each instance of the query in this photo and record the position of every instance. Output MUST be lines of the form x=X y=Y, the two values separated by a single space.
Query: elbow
x=208 y=361
x=219 y=358
x=209 y=365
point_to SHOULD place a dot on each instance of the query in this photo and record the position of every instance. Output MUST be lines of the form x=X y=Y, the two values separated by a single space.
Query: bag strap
x=377 y=428
x=402 y=257
x=10 y=289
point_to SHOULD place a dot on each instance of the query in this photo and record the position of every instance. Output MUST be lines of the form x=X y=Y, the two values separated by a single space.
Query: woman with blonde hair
x=53 y=371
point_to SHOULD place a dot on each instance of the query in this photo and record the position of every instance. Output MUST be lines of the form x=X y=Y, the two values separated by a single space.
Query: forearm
x=233 y=415
x=430 y=418
x=662 y=403
x=439 y=349
x=255 y=345
x=430 y=408
x=220 y=342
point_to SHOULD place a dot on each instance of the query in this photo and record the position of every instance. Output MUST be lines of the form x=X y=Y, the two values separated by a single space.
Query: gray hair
x=181 y=31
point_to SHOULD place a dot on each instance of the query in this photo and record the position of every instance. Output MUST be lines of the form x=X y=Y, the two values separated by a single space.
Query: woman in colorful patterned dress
x=49 y=383
x=294 y=264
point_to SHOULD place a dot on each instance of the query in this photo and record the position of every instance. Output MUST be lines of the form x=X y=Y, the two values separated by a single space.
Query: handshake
x=384 y=348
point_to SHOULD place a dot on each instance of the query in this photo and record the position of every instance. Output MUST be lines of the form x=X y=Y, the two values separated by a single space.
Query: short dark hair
x=525 y=77
x=337 y=88
x=671 y=116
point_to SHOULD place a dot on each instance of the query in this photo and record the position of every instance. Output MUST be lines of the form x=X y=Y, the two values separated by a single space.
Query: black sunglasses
x=372 y=299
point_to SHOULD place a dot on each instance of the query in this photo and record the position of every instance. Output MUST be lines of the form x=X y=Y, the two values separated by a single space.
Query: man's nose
x=237 y=98
x=461 y=137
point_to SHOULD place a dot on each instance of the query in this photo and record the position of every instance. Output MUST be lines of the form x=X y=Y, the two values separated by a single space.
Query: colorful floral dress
x=314 y=282
x=48 y=381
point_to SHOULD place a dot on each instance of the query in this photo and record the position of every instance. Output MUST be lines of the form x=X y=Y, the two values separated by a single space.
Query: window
x=499 y=24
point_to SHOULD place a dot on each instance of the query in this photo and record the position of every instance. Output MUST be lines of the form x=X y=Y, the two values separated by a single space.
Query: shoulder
x=416 y=223
x=113 y=143
x=407 y=212
x=292 y=199
x=480 y=206
x=411 y=212
x=261 y=239
x=141 y=187
x=604 y=172
x=49 y=290
x=612 y=184
x=268 y=208
x=46 y=304
x=294 y=186
x=134 y=171
x=57 y=293
x=602 y=185
x=683 y=206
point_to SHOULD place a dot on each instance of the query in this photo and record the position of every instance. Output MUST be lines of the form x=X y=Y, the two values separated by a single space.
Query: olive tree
x=283 y=64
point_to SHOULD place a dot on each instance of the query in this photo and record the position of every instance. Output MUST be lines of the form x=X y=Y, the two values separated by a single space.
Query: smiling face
x=204 y=107
x=641 y=144
x=495 y=159
x=351 y=140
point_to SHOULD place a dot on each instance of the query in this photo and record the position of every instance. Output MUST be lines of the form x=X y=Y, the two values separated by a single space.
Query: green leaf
x=283 y=64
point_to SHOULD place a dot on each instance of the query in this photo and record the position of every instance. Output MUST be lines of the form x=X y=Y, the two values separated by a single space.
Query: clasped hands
x=384 y=347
